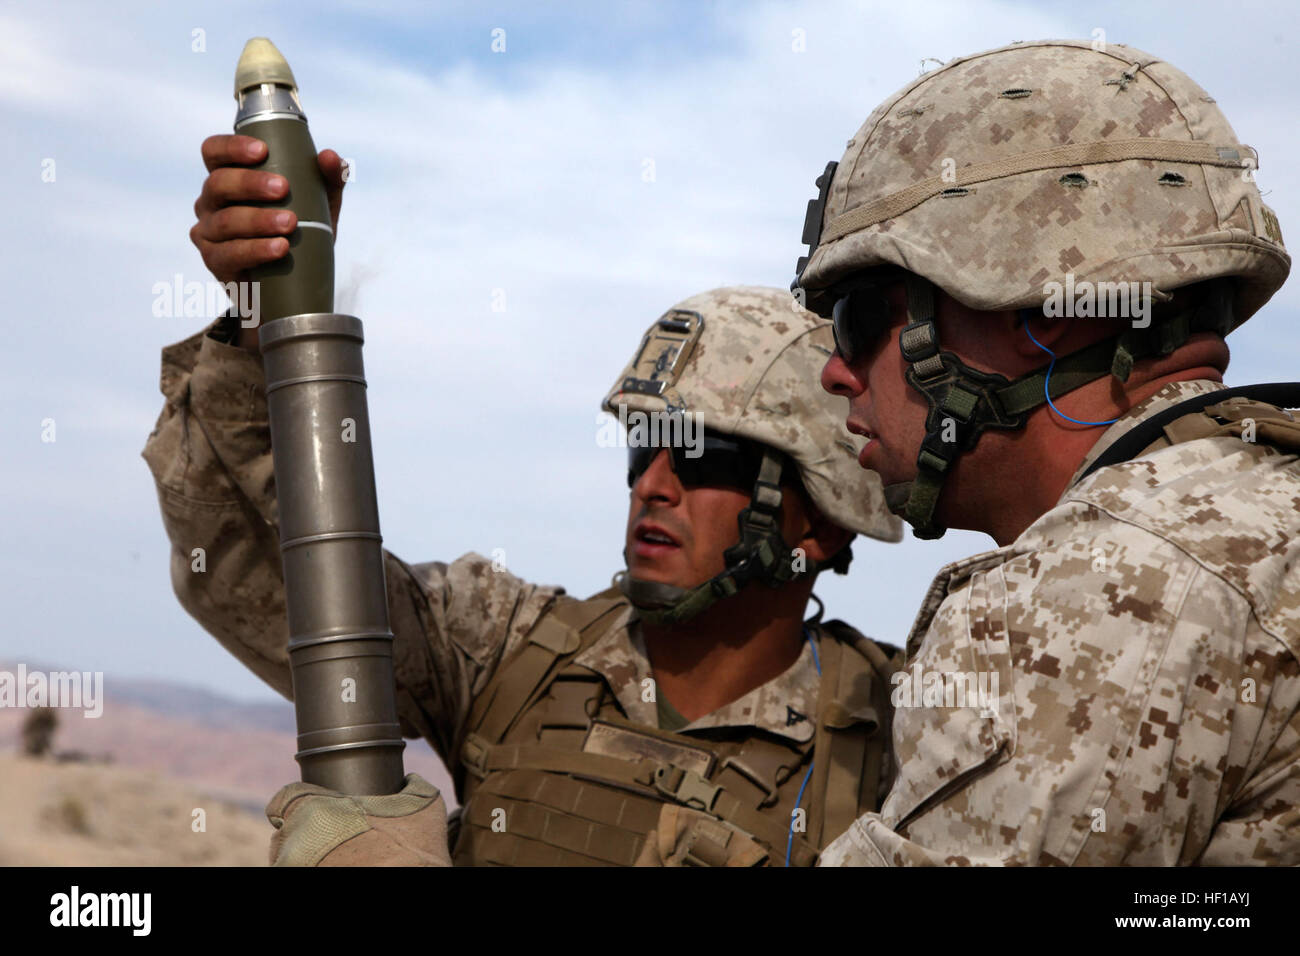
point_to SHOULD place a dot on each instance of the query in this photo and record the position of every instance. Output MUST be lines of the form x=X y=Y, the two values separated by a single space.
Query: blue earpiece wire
x=789 y=843
x=1048 y=380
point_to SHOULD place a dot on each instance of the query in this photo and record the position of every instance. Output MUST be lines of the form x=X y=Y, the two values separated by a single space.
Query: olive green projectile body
x=269 y=109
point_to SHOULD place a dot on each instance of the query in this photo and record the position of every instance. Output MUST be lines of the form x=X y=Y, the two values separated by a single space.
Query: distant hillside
x=200 y=705
x=242 y=751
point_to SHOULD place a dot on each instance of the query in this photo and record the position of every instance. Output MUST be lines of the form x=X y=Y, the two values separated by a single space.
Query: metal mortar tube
x=340 y=641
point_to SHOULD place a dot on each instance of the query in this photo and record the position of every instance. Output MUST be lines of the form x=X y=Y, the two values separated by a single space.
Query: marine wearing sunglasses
x=724 y=461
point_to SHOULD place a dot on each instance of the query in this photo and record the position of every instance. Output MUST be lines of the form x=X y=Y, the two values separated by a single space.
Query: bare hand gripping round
x=340 y=641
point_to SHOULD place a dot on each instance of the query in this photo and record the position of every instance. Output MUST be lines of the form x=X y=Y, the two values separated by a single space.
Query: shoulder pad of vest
x=576 y=615
x=1281 y=395
x=611 y=593
x=848 y=634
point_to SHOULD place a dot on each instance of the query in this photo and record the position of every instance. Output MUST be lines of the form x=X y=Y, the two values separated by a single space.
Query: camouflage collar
x=785 y=706
x=954 y=575
x=623 y=662
x=950 y=577
x=1170 y=395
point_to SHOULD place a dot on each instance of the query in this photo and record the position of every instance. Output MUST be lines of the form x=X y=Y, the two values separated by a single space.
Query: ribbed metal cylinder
x=340 y=640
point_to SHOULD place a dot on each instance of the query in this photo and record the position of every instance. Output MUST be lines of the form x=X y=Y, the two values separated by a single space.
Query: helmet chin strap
x=896 y=497
x=964 y=402
x=761 y=554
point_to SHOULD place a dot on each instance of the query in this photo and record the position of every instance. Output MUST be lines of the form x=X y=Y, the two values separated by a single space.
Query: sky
x=480 y=177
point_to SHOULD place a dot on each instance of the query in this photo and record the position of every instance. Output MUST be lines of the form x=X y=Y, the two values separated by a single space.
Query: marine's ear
x=818 y=537
x=1033 y=335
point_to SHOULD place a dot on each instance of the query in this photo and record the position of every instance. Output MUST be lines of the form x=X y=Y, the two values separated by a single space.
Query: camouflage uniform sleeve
x=210 y=454
x=1263 y=825
x=1141 y=716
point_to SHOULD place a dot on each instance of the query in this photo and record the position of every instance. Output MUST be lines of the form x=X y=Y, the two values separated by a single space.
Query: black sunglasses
x=859 y=320
x=719 y=460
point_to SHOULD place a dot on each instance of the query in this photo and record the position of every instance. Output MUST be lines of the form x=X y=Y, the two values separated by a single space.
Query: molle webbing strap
x=703 y=841
x=767 y=829
x=885 y=666
x=870 y=770
x=1077 y=154
x=1267 y=424
x=611 y=806
x=653 y=779
x=878 y=768
x=832 y=653
x=627 y=773
x=686 y=787
x=852 y=744
x=541 y=829
x=560 y=633
x=1148 y=431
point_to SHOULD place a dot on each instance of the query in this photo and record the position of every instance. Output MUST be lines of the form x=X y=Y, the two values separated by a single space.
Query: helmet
x=1110 y=165
x=1005 y=173
x=744 y=361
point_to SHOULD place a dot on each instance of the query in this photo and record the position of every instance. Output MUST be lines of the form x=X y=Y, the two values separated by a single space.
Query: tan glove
x=319 y=827
x=688 y=837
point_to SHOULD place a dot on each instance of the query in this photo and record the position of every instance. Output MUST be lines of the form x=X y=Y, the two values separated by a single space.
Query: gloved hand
x=319 y=827
x=687 y=837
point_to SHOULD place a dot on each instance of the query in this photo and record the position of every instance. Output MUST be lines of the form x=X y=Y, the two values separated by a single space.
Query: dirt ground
x=72 y=814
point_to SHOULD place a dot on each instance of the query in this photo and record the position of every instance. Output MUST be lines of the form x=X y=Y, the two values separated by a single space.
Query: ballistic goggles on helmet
x=719 y=460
